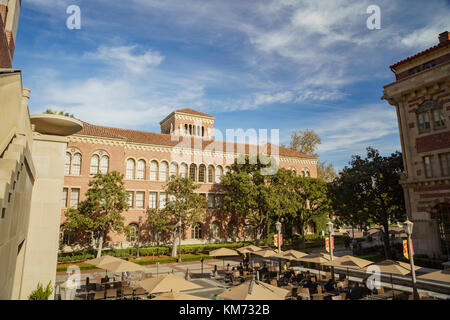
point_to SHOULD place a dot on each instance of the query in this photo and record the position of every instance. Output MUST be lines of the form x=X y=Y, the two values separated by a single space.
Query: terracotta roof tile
x=193 y=112
x=145 y=137
x=419 y=54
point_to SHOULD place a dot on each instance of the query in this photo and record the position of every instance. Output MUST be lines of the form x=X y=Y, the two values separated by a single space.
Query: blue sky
x=275 y=64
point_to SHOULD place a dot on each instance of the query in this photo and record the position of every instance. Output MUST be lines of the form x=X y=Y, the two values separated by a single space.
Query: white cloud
x=127 y=57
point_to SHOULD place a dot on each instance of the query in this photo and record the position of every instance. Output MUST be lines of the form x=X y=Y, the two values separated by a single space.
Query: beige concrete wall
x=17 y=176
x=42 y=239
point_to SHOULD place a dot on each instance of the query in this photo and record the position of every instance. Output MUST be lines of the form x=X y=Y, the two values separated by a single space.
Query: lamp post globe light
x=278 y=227
x=408 y=225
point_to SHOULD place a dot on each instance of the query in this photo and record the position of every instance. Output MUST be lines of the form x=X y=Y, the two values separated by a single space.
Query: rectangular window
x=74 y=197
x=152 y=200
x=162 y=200
x=130 y=198
x=140 y=199
x=219 y=201
x=428 y=167
x=444 y=160
x=210 y=200
x=64 y=198
x=438 y=118
x=424 y=121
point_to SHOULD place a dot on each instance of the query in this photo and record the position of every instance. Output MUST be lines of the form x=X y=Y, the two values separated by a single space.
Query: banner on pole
x=327 y=244
x=405 y=249
x=275 y=240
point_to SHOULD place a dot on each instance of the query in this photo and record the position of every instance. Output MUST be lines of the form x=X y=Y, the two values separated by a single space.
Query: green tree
x=248 y=195
x=101 y=212
x=40 y=293
x=370 y=190
x=305 y=141
x=60 y=113
x=326 y=171
x=184 y=208
x=312 y=202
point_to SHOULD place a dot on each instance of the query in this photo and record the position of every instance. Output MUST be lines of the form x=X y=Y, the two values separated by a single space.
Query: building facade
x=9 y=20
x=185 y=147
x=421 y=95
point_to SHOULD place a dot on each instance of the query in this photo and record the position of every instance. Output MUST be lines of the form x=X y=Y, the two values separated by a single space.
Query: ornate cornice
x=185 y=151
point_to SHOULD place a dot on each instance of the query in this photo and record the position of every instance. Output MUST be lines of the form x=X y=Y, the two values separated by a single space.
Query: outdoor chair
x=319 y=289
x=304 y=294
x=313 y=279
x=126 y=292
x=111 y=294
x=139 y=292
x=99 y=295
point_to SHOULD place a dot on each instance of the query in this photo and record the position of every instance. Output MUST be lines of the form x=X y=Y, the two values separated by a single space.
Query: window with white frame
x=95 y=161
x=67 y=163
x=140 y=199
x=183 y=170
x=214 y=230
x=201 y=173
x=104 y=165
x=152 y=200
x=74 y=197
x=132 y=236
x=210 y=200
x=173 y=169
x=210 y=174
x=130 y=169
x=153 y=170
x=444 y=160
x=427 y=161
x=140 y=174
x=219 y=173
x=163 y=170
x=130 y=198
x=76 y=164
x=162 y=200
x=64 y=198
x=305 y=172
x=193 y=172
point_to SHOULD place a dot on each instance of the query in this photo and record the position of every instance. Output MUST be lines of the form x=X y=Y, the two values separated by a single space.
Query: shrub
x=40 y=293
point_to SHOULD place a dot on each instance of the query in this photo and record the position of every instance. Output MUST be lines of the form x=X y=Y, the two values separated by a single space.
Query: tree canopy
x=102 y=209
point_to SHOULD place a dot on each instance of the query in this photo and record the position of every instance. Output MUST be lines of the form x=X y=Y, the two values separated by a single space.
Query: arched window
x=210 y=174
x=185 y=129
x=130 y=168
x=219 y=172
x=67 y=163
x=201 y=173
x=193 y=172
x=214 y=230
x=183 y=170
x=132 y=237
x=95 y=162
x=104 y=165
x=305 y=172
x=66 y=236
x=153 y=170
x=196 y=231
x=76 y=164
x=163 y=170
x=190 y=129
x=203 y=131
x=173 y=169
x=140 y=174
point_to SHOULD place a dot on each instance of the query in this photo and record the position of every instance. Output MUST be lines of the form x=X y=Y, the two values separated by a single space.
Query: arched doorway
x=442 y=214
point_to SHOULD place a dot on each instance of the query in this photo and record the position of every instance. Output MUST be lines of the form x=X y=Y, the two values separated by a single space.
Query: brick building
x=185 y=147
x=421 y=95
x=9 y=19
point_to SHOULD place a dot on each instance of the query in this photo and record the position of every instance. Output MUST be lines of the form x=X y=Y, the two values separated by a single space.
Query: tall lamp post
x=278 y=227
x=330 y=230
x=179 y=239
x=408 y=225
x=138 y=238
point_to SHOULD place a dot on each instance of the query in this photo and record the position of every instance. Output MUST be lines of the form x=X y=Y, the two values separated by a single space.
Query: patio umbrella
x=394 y=267
x=290 y=255
x=223 y=252
x=122 y=266
x=104 y=262
x=174 y=295
x=266 y=253
x=347 y=262
x=319 y=258
x=254 y=290
x=249 y=249
x=167 y=283
x=440 y=275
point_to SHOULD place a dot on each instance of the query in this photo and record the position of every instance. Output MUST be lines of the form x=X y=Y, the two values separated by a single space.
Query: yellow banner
x=405 y=249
